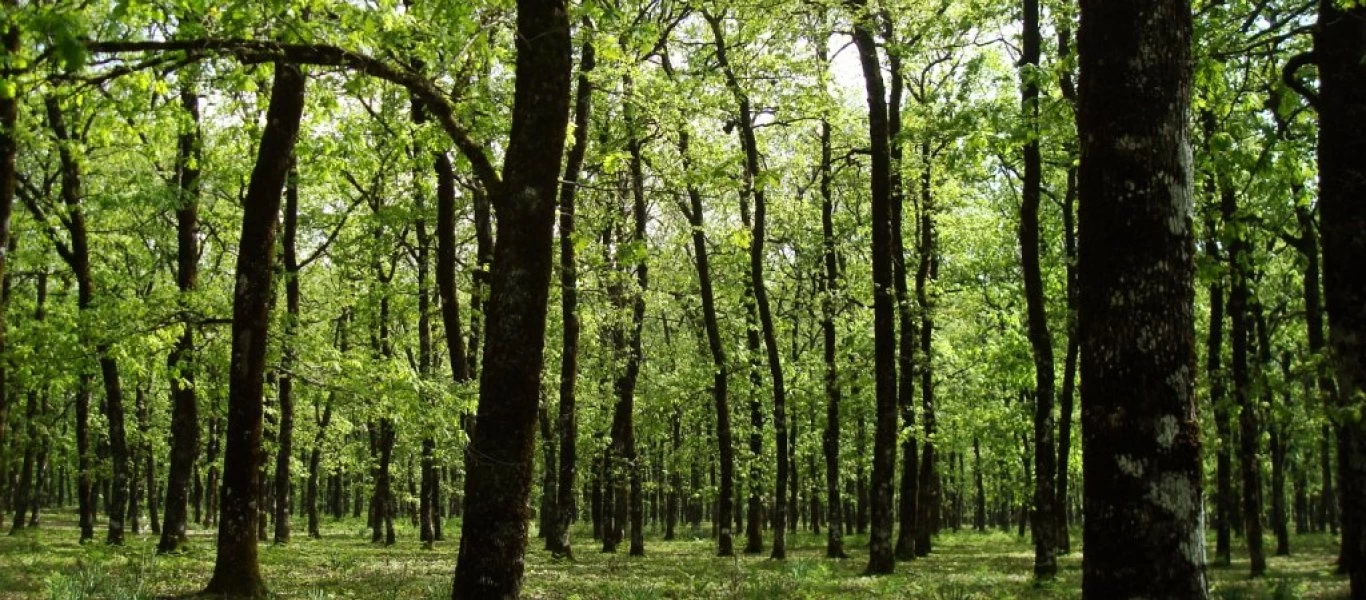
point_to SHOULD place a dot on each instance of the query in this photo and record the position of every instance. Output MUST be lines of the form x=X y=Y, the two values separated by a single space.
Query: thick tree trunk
x=881 y=558
x=1143 y=533
x=499 y=463
x=236 y=570
x=1340 y=51
x=9 y=150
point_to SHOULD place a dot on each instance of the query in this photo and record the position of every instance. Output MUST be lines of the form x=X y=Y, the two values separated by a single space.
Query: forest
x=683 y=299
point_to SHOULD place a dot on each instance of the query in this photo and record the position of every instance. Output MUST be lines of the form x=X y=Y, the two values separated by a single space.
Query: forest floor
x=48 y=563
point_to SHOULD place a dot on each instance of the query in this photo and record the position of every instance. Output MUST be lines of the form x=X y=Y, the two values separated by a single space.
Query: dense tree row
x=840 y=265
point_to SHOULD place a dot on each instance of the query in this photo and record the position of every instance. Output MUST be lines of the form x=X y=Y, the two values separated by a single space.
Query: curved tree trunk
x=236 y=570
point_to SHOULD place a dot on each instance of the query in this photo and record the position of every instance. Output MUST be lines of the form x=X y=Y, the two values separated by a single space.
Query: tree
x=184 y=401
x=236 y=570
x=880 y=550
x=499 y=462
x=1340 y=54
x=1143 y=534
x=1040 y=340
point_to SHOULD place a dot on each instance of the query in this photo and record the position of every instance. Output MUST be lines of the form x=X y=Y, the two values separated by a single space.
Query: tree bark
x=1340 y=51
x=9 y=151
x=1143 y=532
x=499 y=462
x=236 y=570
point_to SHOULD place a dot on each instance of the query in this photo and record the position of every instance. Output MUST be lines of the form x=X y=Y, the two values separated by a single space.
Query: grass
x=48 y=563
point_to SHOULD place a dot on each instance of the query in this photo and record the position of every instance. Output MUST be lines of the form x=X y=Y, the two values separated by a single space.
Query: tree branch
x=261 y=51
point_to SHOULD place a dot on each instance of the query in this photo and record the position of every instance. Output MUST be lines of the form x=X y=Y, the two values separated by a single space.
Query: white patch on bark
x=1173 y=493
x=1166 y=428
x=1130 y=466
x=1179 y=186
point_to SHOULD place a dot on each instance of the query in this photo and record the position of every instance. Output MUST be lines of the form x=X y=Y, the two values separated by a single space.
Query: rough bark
x=236 y=570
x=499 y=461
x=1143 y=533
x=9 y=150
x=1340 y=51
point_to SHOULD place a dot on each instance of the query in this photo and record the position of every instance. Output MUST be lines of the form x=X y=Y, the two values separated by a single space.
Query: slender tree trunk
x=9 y=150
x=236 y=570
x=725 y=500
x=499 y=463
x=906 y=340
x=1249 y=430
x=881 y=558
x=925 y=275
x=285 y=384
x=557 y=539
x=830 y=287
x=26 y=494
x=1340 y=51
x=1143 y=533
x=1223 y=497
x=1044 y=526
x=1069 y=378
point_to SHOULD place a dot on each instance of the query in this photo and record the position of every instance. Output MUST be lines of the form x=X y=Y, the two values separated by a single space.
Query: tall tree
x=184 y=402
x=499 y=461
x=236 y=570
x=1340 y=52
x=1040 y=340
x=754 y=190
x=880 y=551
x=557 y=539
x=1141 y=448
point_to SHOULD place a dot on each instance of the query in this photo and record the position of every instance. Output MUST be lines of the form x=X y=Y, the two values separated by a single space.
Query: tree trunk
x=1340 y=51
x=557 y=539
x=26 y=494
x=236 y=571
x=285 y=384
x=1248 y=431
x=9 y=150
x=1044 y=526
x=925 y=275
x=499 y=463
x=725 y=501
x=829 y=287
x=1143 y=533
x=881 y=558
